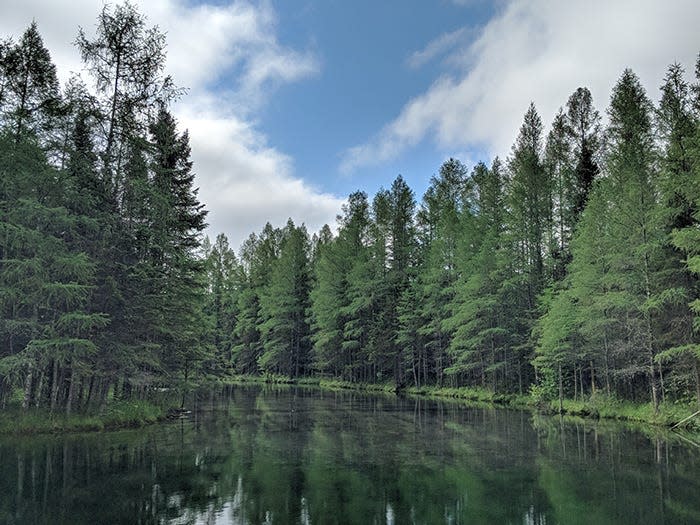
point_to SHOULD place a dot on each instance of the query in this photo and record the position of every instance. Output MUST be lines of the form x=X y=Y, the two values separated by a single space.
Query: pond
x=295 y=455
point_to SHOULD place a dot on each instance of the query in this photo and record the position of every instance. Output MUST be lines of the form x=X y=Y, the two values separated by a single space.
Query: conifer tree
x=678 y=120
x=284 y=306
x=126 y=59
x=29 y=85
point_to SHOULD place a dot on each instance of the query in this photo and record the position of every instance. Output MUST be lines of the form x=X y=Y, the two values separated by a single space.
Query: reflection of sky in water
x=302 y=456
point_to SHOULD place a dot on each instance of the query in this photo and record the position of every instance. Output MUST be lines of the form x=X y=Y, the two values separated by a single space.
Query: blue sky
x=294 y=104
x=365 y=79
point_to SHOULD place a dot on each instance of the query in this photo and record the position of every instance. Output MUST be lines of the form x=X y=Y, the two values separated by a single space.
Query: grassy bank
x=326 y=384
x=117 y=414
x=594 y=407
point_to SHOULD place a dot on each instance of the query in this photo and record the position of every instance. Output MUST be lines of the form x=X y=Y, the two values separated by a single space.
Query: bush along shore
x=117 y=414
x=676 y=415
x=120 y=414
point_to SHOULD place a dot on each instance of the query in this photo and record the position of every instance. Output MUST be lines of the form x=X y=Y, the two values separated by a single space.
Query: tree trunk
x=661 y=383
x=91 y=390
x=654 y=388
x=71 y=390
x=607 y=363
x=39 y=388
x=697 y=379
x=561 y=391
x=27 y=390
x=54 y=386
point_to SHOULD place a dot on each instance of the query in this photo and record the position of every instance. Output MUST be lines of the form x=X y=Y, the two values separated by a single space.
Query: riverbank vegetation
x=117 y=414
x=565 y=273
x=675 y=414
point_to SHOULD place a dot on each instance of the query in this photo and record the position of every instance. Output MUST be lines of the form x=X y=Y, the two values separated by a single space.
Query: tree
x=444 y=215
x=678 y=127
x=127 y=60
x=177 y=219
x=529 y=195
x=481 y=329
x=224 y=281
x=583 y=123
x=529 y=205
x=284 y=304
x=47 y=331
x=29 y=93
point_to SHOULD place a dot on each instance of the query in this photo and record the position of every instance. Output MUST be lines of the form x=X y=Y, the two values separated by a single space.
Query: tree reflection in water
x=252 y=455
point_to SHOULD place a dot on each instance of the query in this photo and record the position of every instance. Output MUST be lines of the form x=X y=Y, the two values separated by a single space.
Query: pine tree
x=29 y=85
x=479 y=320
x=529 y=205
x=284 y=305
x=558 y=161
x=583 y=123
x=224 y=277
x=258 y=254
x=127 y=59
x=678 y=122
x=445 y=212
x=176 y=221
x=46 y=282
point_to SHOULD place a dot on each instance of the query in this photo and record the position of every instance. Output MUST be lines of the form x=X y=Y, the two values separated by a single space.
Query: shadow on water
x=262 y=455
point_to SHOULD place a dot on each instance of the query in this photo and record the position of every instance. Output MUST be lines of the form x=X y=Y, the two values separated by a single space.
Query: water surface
x=287 y=455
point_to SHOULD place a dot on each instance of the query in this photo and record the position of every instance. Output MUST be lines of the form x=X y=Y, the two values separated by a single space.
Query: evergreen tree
x=127 y=59
x=177 y=220
x=677 y=121
x=583 y=122
x=223 y=288
x=284 y=304
x=529 y=205
x=445 y=213
x=29 y=85
x=479 y=347
x=559 y=163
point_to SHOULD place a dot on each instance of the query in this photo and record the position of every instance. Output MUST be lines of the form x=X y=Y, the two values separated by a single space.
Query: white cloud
x=230 y=60
x=537 y=51
x=436 y=47
x=248 y=183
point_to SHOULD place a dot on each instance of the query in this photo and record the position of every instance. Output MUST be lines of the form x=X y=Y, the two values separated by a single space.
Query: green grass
x=594 y=407
x=602 y=407
x=118 y=414
x=326 y=384
x=472 y=394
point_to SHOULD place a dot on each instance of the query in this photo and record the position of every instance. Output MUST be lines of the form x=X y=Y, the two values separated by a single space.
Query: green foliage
x=569 y=271
x=100 y=279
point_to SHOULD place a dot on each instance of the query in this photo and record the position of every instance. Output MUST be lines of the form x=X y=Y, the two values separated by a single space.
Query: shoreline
x=598 y=407
x=119 y=415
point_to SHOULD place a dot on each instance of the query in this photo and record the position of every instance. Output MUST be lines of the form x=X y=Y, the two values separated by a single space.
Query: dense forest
x=568 y=269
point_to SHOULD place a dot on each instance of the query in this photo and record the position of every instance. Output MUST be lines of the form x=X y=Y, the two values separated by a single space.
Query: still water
x=287 y=455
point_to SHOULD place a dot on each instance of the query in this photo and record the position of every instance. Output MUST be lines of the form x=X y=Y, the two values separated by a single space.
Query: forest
x=567 y=269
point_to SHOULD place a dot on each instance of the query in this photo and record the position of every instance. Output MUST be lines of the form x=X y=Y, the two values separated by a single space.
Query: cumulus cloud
x=537 y=51
x=248 y=183
x=229 y=59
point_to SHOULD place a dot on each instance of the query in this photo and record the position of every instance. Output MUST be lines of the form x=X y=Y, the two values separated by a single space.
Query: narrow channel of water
x=288 y=455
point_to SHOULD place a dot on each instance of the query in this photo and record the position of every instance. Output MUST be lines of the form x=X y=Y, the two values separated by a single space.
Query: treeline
x=101 y=287
x=571 y=267
x=567 y=269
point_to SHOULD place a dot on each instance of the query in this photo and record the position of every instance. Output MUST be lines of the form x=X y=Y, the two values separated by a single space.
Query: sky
x=292 y=105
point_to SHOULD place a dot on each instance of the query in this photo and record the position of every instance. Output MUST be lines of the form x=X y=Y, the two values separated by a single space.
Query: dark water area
x=292 y=455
